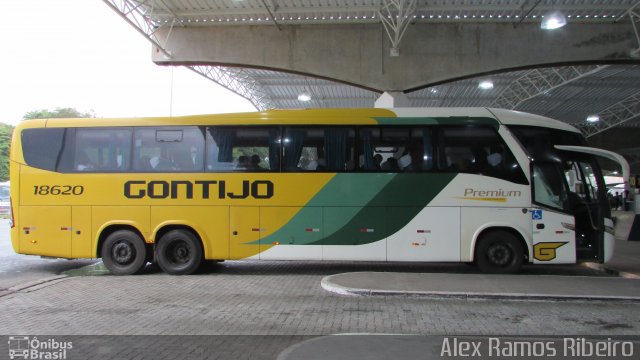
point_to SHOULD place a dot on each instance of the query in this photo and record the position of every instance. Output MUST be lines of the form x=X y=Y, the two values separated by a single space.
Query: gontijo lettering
x=201 y=189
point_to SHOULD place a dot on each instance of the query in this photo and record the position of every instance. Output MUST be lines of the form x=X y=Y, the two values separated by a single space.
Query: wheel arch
x=513 y=231
x=110 y=229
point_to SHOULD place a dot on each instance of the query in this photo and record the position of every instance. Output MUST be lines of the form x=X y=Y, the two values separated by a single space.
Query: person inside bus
x=494 y=160
x=377 y=161
x=84 y=163
x=390 y=165
x=404 y=163
x=254 y=163
x=243 y=162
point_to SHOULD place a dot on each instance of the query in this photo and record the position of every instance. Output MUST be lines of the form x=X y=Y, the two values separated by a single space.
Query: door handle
x=539 y=226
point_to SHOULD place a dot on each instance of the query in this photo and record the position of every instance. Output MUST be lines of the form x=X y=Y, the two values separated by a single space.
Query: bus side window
x=102 y=149
x=396 y=149
x=168 y=149
x=243 y=149
x=41 y=147
x=478 y=150
x=319 y=149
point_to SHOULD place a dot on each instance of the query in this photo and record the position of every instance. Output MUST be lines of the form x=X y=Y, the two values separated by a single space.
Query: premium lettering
x=491 y=193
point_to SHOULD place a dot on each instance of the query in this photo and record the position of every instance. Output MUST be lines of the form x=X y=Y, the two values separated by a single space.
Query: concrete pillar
x=392 y=99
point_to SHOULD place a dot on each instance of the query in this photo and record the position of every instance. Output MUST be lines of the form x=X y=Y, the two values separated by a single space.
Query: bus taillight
x=13 y=224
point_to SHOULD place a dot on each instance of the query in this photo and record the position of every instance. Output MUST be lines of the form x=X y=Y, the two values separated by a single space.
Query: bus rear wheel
x=499 y=252
x=123 y=253
x=179 y=252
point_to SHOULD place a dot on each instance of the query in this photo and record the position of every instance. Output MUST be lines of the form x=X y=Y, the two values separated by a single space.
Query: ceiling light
x=486 y=85
x=553 y=20
x=304 y=97
x=593 y=118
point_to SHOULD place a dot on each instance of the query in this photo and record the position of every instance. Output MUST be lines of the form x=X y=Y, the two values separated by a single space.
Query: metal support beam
x=537 y=82
x=239 y=81
x=614 y=115
x=634 y=16
x=396 y=15
x=139 y=15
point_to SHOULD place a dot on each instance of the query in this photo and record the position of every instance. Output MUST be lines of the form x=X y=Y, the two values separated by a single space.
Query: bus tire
x=179 y=252
x=124 y=253
x=499 y=252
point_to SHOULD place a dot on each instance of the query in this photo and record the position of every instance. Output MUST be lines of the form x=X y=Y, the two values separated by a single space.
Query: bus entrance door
x=594 y=224
x=551 y=218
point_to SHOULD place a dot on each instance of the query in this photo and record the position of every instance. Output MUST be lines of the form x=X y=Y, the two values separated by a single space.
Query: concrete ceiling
x=568 y=93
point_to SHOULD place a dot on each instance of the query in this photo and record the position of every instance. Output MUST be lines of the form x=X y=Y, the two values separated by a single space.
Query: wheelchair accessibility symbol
x=536 y=214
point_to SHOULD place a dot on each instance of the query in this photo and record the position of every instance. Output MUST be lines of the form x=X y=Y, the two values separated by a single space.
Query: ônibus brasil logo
x=25 y=347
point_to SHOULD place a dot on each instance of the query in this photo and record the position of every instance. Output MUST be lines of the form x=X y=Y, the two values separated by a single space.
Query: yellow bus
x=494 y=187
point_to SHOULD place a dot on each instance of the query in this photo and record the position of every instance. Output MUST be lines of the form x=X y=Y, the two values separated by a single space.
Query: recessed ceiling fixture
x=304 y=97
x=553 y=20
x=593 y=118
x=486 y=85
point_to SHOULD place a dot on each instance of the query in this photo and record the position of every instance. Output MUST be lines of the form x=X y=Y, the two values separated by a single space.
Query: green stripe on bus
x=343 y=191
x=406 y=195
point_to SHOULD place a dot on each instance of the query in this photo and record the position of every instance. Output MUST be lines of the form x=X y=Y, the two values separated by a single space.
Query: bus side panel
x=210 y=222
x=477 y=219
x=81 y=246
x=553 y=243
x=361 y=238
x=104 y=216
x=433 y=235
x=45 y=230
x=303 y=226
x=244 y=229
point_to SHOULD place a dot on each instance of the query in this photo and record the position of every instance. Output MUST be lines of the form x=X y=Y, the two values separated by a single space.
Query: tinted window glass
x=243 y=148
x=41 y=147
x=539 y=141
x=549 y=186
x=319 y=149
x=477 y=150
x=391 y=149
x=102 y=150
x=175 y=149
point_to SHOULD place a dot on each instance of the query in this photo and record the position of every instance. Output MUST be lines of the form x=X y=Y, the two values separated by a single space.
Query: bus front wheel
x=179 y=252
x=123 y=253
x=499 y=252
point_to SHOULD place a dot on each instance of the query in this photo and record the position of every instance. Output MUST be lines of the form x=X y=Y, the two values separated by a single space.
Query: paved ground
x=283 y=298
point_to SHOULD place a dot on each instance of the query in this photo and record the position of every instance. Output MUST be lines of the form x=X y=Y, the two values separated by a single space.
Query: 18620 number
x=58 y=190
